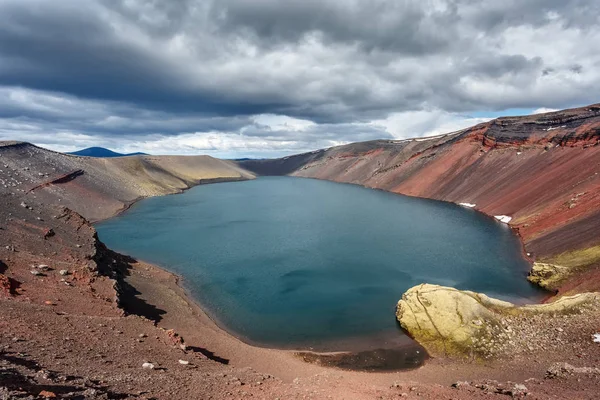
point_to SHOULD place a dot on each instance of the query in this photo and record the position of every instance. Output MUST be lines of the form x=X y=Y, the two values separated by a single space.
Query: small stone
x=47 y=394
x=64 y=272
x=183 y=362
x=36 y=273
x=519 y=390
x=142 y=335
x=43 y=267
x=460 y=384
x=148 y=365
x=559 y=329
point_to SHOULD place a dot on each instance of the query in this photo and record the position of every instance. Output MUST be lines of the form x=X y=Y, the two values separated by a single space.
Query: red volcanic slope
x=542 y=170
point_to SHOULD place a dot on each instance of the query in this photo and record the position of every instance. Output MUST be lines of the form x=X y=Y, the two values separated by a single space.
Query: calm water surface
x=302 y=263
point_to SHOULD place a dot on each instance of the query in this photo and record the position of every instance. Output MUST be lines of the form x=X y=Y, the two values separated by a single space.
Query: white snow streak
x=503 y=218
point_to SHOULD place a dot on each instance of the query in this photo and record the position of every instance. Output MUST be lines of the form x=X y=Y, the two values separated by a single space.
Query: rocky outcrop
x=541 y=172
x=571 y=270
x=456 y=323
x=547 y=276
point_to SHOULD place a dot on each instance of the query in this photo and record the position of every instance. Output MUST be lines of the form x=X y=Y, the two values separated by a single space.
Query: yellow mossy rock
x=553 y=272
x=457 y=323
x=547 y=276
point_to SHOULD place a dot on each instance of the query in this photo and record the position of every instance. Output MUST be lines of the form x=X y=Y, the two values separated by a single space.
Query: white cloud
x=282 y=122
x=426 y=123
x=218 y=144
x=543 y=110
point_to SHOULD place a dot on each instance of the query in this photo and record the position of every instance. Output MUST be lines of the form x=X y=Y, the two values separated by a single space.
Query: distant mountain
x=102 y=152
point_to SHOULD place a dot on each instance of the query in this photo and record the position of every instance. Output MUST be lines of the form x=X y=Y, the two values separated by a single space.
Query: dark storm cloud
x=97 y=117
x=401 y=27
x=75 y=50
x=144 y=67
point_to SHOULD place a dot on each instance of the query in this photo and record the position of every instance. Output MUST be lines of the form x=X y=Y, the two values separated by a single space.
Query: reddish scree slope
x=542 y=170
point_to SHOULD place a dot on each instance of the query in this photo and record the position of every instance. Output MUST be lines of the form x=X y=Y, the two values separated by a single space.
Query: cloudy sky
x=260 y=78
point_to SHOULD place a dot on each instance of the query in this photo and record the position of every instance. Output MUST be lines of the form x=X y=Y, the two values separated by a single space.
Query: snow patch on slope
x=555 y=127
x=503 y=218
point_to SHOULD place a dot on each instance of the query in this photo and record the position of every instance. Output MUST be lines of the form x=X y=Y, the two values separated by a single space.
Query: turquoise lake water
x=302 y=263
